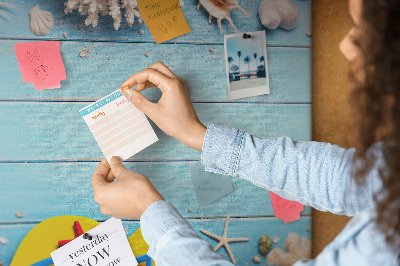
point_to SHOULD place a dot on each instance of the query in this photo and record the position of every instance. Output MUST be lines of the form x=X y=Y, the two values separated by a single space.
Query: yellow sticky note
x=164 y=18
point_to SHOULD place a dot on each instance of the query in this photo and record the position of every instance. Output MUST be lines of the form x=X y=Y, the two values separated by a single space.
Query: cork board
x=331 y=89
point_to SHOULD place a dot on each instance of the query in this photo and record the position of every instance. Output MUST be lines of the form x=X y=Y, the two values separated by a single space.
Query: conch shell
x=274 y=13
x=41 y=21
x=220 y=9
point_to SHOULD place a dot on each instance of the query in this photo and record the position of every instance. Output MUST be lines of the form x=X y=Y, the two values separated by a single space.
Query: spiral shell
x=221 y=9
x=41 y=21
x=265 y=244
x=282 y=13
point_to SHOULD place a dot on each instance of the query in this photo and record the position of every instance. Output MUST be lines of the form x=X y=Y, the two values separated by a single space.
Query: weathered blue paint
x=54 y=131
x=243 y=251
x=202 y=31
x=45 y=129
x=68 y=190
x=110 y=64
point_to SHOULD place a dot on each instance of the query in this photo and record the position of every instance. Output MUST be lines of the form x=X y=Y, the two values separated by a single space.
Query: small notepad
x=118 y=126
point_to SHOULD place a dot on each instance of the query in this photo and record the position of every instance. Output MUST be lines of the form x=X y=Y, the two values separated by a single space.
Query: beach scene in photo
x=246 y=63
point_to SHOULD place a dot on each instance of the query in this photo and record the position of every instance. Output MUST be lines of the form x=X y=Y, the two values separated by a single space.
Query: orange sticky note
x=284 y=209
x=164 y=18
x=41 y=64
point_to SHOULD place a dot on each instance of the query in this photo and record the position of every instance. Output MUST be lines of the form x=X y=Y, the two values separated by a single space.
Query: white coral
x=297 y=249
x=92 y=8
x=131 y=12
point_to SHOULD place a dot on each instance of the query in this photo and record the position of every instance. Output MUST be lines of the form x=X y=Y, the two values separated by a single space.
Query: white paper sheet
x=108 y=246
x=118 y=126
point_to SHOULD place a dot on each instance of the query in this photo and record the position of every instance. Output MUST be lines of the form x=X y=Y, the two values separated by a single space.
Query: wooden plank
x=243 y=251
x=68 y=190
x=202 y=32
x=56 y=131
x=110 y=64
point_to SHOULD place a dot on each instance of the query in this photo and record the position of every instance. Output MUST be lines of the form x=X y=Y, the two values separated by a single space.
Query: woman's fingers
x=160 y=67
x=110 y=177
x=141 y=102
x=100 y=174
x=142 y=86
x=159 y=80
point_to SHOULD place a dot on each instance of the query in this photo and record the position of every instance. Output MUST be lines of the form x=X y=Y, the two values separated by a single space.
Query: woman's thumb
x=117 y=167
x=138 y=100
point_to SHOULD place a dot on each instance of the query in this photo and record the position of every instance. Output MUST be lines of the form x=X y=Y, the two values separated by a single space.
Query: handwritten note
x=209 y=186
x=108 y=246
x=284 y=209
x=164 y=18
x=41 y=64
x=118 y=126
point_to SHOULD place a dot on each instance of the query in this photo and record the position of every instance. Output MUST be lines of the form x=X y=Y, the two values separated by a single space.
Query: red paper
x=41 y=64
x=284 y=209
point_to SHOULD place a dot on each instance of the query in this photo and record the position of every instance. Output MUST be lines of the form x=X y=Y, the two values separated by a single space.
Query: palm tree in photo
x=262 y=59
x=239 y=55
x=247 y=60
x=230 y=60
x=261 y=68
x=235 y=68
x=255 y=58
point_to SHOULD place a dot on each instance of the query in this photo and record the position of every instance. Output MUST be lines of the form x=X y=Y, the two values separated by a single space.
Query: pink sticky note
x=284 y=209
x=41 y=63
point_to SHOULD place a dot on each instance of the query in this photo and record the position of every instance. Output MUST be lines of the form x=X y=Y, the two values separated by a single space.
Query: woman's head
x=373 y=48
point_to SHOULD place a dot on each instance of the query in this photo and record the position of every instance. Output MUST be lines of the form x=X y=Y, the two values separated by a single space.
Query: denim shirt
x=312 y=173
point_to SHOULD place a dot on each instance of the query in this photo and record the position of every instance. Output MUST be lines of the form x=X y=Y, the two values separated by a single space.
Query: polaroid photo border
x=242 y=83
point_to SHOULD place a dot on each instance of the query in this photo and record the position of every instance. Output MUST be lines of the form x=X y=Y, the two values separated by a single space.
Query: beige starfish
x=224 y=240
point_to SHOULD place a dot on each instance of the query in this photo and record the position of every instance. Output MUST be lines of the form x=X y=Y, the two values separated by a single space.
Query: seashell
x=256 y=259
x=274 y=13
x=42 y=21
x=220 y=9
x=265 y=244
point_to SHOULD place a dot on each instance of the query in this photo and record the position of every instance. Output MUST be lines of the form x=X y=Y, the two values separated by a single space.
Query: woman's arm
x=315 y=174
x=173 y=241
x=312 y=173
x=125 y=194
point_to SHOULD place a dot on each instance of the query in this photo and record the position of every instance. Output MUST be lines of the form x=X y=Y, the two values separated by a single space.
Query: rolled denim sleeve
x=312 y=173
x=172 y=240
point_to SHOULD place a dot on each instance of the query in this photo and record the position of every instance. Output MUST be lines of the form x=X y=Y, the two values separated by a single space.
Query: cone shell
x=41 y=21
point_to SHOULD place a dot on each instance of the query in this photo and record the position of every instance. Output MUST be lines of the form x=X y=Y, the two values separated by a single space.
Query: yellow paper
x=164 y=18
x=43 y=239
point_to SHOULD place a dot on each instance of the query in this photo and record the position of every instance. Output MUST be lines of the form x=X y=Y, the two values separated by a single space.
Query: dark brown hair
x=375 y=103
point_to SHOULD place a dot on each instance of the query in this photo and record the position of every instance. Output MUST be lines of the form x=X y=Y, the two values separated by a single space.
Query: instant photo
x=246 y=64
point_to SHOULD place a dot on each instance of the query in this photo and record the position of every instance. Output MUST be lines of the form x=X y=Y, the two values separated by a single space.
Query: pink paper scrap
x=284 y=209
x=41 y=64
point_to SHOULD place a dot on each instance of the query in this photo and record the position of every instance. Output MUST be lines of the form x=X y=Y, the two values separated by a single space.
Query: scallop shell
x=282 y=13
x=41 y=21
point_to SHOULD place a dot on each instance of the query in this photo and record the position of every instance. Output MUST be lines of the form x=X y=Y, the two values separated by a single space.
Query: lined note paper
x=41 y=64
x=118 y=126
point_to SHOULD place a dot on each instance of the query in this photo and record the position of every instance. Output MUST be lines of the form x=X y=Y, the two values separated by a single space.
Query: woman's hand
x=127 y=197
x=173 y=113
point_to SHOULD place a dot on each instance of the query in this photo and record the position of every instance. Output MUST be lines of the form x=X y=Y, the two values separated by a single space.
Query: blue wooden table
x=48 y=155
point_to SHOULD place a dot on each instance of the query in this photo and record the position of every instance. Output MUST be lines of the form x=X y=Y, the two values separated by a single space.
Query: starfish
x=224 y=240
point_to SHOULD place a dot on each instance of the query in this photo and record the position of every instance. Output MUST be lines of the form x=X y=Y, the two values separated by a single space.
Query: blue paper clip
x=145 y=258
